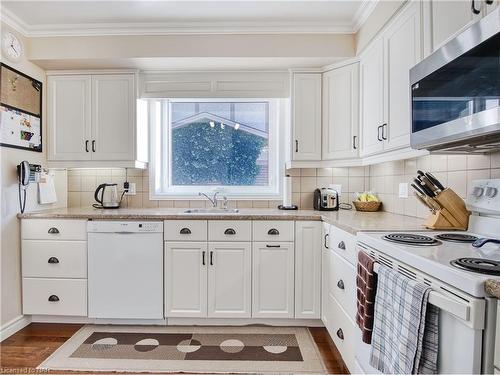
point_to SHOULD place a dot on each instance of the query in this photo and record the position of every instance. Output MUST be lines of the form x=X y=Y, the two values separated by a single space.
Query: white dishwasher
x=125 y=269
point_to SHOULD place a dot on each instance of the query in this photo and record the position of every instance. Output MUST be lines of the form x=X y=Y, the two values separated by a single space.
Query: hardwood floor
x=26 y=349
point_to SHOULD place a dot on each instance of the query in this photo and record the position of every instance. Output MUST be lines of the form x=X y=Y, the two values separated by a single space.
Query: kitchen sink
x=212 y=211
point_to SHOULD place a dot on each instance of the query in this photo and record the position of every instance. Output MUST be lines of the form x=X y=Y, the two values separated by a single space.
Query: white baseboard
x=180 y=321
x=279 y=322
x=16 y=324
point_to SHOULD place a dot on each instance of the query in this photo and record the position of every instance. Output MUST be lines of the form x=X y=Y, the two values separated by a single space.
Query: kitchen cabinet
x=341 y=112
x=325 y=271
x=54 y=267
x=92 y=121
x=308 y=269
x=272 y=280
x=229 y=279
x=451 y=17
x=385 y=83
x=306 y=116
x=186 y=279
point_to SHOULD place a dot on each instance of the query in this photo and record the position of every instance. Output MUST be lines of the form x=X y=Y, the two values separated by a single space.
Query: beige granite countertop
x=492 y=288
x=350 y=221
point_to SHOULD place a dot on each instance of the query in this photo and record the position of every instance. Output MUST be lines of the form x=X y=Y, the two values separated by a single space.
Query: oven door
x=455 y=92
x=460 y=348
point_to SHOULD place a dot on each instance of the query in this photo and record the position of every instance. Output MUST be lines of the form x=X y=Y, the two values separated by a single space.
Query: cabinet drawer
x=229 y=230
x=185 y=230
x=67 y=296
x=342 y=282
x=66 y=259
x=342 y=332
x=273 y=231
x=50 y=229
x=343 y=243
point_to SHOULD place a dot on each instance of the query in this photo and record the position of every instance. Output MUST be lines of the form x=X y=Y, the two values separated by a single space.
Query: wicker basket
x=367 y=206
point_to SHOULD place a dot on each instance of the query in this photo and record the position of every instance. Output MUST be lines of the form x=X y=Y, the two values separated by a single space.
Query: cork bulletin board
x=20 y=110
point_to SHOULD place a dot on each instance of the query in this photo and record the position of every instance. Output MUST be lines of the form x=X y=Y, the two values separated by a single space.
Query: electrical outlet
x=403 y=190
x=131 y=189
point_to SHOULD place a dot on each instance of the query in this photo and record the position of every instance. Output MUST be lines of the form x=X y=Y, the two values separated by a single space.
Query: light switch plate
x=403 y=190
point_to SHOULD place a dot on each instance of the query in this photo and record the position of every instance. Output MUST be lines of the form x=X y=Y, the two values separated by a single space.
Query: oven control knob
x=478 y=191
x=491 y=192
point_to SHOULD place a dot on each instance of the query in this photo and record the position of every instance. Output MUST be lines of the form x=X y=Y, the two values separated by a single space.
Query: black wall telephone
x=26 y=173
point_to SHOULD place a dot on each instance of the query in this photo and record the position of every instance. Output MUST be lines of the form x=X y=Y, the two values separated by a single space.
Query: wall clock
x=11 y=47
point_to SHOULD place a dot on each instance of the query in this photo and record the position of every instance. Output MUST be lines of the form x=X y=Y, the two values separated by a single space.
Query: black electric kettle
x=106 y=196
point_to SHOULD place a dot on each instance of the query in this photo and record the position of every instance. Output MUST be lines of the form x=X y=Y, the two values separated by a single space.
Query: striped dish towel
x=405 y=329
x=366 y=286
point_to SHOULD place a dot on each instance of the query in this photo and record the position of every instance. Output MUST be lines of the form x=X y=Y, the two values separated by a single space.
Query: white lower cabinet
x=229 y=280
x=272 y=280
x=186 y=279
x=307 y=269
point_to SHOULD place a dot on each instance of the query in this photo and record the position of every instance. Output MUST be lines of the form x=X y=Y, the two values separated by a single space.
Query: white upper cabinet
x=113 y=117
x=372 y=98
x=450 y=17
x=403 y=50
x=341 y=112
x=69 y=117
x=385 y=83
x=92 y=121
x=306 y=116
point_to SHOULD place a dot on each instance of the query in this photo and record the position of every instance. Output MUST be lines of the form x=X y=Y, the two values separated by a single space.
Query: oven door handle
x=459 y=309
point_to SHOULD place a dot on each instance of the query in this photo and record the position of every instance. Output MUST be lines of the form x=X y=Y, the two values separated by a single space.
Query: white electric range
x=455 y=264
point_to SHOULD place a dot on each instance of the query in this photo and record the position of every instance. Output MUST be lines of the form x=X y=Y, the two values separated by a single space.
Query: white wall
x=10 y=266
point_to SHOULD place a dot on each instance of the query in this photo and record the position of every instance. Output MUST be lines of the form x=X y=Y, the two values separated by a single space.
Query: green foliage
x=213 y=156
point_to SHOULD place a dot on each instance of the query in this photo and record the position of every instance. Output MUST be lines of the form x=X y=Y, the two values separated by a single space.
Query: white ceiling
x=62 y=18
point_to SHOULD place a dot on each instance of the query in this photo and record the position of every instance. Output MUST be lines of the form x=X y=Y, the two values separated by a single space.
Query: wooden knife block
x=452 y=215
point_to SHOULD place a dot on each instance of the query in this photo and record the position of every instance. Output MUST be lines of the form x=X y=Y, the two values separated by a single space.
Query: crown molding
x=364 y=11
x=14 y=22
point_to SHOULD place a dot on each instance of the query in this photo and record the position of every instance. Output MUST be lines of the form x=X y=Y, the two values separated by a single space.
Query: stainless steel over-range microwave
x=455 y=93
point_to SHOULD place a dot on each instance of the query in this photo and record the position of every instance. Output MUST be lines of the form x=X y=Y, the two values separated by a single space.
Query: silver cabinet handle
x=326 y=240
x=185 y=231
x=53 y=298
x=273 y=245
x=230 y=231
x=273 y=232
x=384 y=132
x=340 y=284
x=53 y=260
x=93 y=145
x=203 y=258
x=296 y=146
x=354 y=142
x=473 y=7
x=53 y=231
x=341 y=245
x=378 y=133
x=87 y=145
x=211 y=258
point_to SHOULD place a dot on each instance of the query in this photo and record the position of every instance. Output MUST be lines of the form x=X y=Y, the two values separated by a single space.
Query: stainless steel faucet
x=214 y=200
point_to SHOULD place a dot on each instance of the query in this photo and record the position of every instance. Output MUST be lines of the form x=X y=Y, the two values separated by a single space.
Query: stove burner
x=489 y=267
x=456 y=237
x=411 y=239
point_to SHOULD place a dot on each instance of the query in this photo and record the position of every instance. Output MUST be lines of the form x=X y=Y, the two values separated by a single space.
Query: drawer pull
x=340 y=284
x=185 y=231
x=342 y=245
x=326 y=240
x=273 y=232
x=230 y=231
x=273 y=245
x=53 y=260
x=53 y=298
x=53 y=230
x=340 y=334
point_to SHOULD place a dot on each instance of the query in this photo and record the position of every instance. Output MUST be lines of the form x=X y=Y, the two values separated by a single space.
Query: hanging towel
x=405 y=328
x=366 y=287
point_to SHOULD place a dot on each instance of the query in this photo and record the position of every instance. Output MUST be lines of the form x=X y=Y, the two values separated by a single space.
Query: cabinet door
x=69 y=117
x=306 y=104
x=229 y=279
x=372 y=98
x=307 y=269
x=402 y=45
x=113 y=117
x=186 y=279
x=325 y=271
x=449 y=18
x=272 y=280
x=340 y=112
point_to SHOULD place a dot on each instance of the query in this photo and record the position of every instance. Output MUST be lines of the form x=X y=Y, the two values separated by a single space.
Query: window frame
x=160 y=170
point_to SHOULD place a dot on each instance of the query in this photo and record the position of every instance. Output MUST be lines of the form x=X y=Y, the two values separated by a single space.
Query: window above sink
x=226 y=145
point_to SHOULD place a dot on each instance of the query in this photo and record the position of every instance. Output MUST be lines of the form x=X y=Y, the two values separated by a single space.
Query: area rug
x=190 y=349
